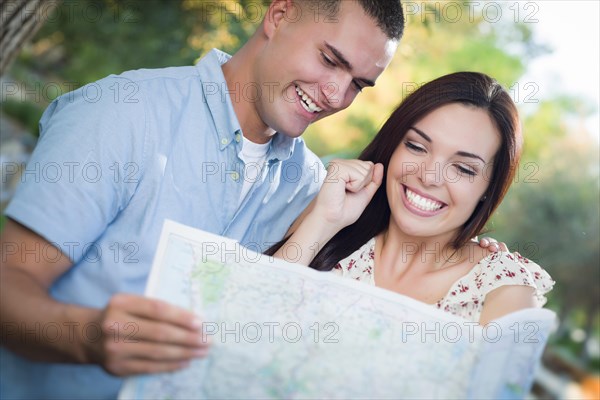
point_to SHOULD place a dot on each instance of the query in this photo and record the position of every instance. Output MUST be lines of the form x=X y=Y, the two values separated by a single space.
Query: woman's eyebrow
x=420 y=132
x=471 y=155
x=460 y=153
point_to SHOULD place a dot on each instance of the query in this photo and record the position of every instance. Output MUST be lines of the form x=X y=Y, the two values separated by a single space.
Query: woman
x=446 y=157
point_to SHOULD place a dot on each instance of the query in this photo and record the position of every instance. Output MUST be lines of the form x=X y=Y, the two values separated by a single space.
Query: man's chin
x=293 y=131
x=323 y=115
x=292 y=135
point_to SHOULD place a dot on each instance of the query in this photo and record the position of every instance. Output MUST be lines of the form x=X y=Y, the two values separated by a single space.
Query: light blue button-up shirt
x=115 y=159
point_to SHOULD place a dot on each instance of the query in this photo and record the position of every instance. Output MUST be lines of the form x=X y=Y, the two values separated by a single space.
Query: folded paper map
x=282 y=330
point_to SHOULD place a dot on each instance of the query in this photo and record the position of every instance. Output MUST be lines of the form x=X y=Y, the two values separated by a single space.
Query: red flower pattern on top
x=467 y=296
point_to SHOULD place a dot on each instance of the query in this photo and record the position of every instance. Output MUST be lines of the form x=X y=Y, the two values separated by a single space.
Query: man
x=214 y=146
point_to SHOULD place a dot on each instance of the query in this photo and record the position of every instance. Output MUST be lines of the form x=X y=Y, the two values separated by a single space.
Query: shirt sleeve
x=503 y=268
x=86 y=165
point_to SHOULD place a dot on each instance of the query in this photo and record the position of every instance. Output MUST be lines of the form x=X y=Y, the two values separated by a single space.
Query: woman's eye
x=415 y=147
x=327 y=60
x=464 y=170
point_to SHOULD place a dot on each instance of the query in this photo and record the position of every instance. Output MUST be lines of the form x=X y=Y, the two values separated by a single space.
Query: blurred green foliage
x=27 y=113
x=552 y=213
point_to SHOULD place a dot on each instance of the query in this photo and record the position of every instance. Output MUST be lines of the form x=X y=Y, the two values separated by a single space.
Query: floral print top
x=466 y=296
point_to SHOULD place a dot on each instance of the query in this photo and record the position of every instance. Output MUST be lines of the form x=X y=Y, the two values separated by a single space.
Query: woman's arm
x=348 y=187
x=507 y=299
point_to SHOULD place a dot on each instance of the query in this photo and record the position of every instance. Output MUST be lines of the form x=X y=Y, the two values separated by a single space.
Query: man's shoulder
x=142 y=91
x=302 y=152
x=136 y=85
x=306 y=162
x=156 y=74
x=127 y=91
x=207 y=67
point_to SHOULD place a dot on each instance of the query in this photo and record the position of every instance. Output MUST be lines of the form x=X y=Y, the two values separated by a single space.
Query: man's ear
x=277 y=13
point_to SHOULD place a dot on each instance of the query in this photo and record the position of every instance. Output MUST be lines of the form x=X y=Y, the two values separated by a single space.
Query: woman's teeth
x=307 y=102
x=421 y=202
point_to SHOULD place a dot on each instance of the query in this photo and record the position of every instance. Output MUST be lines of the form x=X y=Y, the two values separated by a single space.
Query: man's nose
x=335 y=90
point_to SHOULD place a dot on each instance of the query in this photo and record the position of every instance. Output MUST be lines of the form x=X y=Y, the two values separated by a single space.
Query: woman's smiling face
x=441 y=169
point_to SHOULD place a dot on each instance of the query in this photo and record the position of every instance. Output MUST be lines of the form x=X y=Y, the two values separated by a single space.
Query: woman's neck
x=423 y=268
x=402 y=253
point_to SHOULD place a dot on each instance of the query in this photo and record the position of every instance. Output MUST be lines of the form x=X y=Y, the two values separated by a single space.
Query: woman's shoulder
x=505 y=268
x=491 y=271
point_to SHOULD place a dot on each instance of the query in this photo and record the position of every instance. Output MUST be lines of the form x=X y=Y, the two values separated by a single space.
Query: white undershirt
x=254 y=156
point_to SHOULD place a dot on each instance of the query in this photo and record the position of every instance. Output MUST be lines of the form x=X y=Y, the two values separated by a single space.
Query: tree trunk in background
x=20 y=20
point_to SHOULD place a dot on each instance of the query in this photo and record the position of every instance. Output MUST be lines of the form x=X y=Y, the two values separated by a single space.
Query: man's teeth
x=421 y=202
x=307 y=102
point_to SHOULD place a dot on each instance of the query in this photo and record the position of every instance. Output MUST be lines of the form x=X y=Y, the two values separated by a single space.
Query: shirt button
x=238 y=137
x=235 y=176
x=224 y=141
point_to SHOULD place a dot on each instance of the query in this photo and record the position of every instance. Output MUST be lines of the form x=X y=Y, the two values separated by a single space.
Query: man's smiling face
x=312 y=66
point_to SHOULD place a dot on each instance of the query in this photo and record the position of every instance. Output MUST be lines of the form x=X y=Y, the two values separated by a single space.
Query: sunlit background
x=546 y=53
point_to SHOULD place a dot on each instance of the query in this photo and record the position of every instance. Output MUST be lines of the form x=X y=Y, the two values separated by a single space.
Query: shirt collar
x=221 y=108
x=216 y=97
